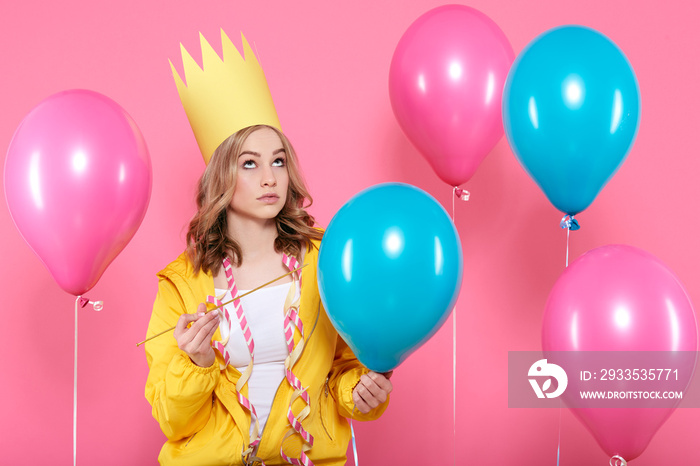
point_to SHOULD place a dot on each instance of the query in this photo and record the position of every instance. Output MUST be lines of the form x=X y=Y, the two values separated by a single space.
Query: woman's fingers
x=193 y=333
x=373 y=390
x=185 y=319
x=204 y=328
x=360 y=403
x=377 y=386
x=372 y=393
x=183 y=322
x=382 y=381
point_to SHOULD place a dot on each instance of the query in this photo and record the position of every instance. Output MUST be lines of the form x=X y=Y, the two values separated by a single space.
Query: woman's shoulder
x=182 y=266
x=179 y=277
x=193 y=287
x=315 y=243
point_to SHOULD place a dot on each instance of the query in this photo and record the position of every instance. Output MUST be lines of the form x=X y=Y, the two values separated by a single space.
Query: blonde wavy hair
x=207 y=236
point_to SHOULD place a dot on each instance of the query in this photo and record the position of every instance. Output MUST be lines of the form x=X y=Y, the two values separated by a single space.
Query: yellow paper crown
x=224 y=96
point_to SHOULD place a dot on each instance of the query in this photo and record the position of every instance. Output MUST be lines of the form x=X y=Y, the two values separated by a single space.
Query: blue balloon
x=389 y=272
x=571 y=110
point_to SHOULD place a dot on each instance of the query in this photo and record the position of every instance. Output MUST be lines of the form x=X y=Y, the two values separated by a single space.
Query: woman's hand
x=196 y=340
x=372 y=391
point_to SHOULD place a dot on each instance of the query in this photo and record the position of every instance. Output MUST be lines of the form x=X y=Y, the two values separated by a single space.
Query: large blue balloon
x=571 y=109
x=389 y=272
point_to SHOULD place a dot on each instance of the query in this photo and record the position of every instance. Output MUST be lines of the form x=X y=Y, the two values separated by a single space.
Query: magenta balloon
x=619 y=298
x=446 y=82
x=77 y=182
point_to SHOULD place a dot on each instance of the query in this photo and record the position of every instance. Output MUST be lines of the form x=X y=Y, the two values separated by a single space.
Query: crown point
x=248 y=51
x=230 y=52
x=176 y=75
x=209 y=56
x=225 y=41
x=203 y=41
x=192 y=69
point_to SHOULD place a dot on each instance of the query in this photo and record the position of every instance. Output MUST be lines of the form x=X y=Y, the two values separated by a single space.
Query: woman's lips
x=269 y=198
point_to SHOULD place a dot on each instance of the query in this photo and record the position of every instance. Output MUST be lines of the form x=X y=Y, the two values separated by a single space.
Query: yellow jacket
x=197 y=408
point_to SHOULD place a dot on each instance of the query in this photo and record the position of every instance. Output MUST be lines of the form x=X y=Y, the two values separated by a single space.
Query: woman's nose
x=268 y=178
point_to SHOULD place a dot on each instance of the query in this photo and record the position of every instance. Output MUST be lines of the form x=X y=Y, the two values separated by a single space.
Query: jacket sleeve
x=179 y=391
x=344 y=376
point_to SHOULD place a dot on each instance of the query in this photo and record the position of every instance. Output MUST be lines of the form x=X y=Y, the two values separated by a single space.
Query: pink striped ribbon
x=248 y=336
x=292 y=322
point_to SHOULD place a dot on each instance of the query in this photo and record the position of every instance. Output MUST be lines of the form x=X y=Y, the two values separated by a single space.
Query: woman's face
x=262 y=179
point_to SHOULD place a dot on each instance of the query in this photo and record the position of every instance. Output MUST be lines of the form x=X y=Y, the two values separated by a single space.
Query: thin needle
x=228 y=302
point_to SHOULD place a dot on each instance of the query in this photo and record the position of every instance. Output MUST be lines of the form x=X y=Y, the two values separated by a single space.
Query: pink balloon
x=446 y=82
x=77 y=182
x=620 y=298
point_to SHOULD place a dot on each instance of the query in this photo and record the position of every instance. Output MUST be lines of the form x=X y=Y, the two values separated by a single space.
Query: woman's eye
x=248 y=164
x=278 y=163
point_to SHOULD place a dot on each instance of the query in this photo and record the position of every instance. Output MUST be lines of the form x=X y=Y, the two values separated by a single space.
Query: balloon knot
x=96 y=305
x=617 y=461
x=462 y=194
x=569 y=223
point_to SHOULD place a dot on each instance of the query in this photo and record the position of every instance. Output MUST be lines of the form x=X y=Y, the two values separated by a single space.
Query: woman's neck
x=256 y=237
x=261 y=263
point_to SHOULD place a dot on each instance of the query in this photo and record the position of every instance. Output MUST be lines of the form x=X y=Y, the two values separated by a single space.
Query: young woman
x=273 y=353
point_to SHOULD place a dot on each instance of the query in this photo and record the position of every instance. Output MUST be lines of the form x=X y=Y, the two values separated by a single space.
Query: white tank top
x=264 y=311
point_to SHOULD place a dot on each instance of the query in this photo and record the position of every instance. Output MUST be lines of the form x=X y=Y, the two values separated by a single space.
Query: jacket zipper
x=188 y=441
x=325 y=401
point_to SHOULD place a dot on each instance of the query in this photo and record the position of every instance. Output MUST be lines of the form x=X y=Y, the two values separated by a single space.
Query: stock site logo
x=542 y=369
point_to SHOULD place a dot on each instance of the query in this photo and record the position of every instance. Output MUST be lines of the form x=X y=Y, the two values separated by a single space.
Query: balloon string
x=559 y=441
x=454 y=383
x=75 y=387
x=463 y=195
x=454 y=359
x=97 y=306
x=569 y=223
x=568 y=231
x=352 y=433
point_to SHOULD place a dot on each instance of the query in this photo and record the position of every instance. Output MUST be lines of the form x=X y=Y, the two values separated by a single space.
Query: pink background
x=327 y=64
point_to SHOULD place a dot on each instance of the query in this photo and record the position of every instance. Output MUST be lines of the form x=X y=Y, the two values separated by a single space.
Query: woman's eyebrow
x=250 y=152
